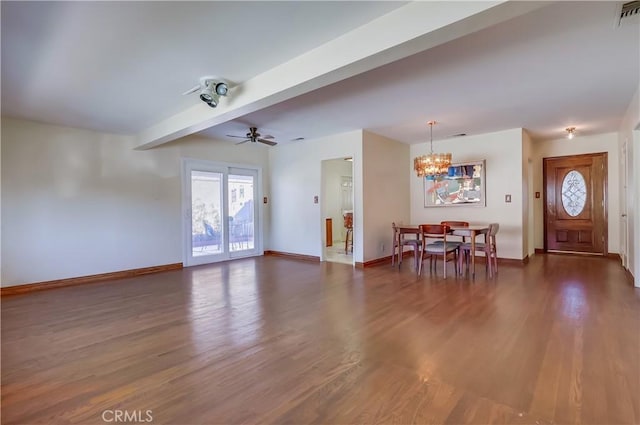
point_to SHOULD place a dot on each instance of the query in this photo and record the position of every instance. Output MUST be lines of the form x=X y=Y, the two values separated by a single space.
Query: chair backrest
x=348 y=220
x=455 y=223
x=493 y=229
x=434 y=229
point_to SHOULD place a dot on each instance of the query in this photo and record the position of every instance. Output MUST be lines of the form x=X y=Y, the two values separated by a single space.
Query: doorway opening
x=337 y=210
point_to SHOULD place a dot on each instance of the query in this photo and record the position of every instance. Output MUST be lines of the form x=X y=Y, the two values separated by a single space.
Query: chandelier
x=434 y=164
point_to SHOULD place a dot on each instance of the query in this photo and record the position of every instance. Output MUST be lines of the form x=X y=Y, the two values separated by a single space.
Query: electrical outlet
x=315 y=199
x=382 y=247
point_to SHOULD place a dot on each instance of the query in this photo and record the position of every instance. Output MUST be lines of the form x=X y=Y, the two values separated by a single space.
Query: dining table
x=471 y=231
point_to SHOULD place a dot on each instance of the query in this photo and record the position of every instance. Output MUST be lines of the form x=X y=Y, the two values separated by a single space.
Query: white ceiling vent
x=629 y=13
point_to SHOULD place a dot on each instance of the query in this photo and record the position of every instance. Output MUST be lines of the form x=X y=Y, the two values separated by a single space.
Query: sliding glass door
x=221 y=219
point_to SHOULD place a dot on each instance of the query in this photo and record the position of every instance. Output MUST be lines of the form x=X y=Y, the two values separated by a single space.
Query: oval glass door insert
x=574 y=193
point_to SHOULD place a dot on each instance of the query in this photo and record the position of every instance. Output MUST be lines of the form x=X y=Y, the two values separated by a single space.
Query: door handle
x=623 y=215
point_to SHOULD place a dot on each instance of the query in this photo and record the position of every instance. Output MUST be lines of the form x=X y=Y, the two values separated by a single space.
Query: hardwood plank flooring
x=274 y=340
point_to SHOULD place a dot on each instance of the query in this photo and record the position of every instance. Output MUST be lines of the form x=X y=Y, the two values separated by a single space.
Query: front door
x=576 y=204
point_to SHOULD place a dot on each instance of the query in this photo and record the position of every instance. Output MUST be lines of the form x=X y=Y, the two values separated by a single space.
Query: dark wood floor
x=272 y=340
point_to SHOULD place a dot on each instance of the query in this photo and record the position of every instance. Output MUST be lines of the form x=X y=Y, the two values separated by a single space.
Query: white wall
x=577 y=146
x=332 y=172
x=631 y=122
x=386 y=192
x=503 y=154
x=77 y=202
x=296 y=222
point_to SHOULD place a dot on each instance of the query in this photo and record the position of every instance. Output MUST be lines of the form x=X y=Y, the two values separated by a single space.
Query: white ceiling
x=121 y=67
x=566 y=64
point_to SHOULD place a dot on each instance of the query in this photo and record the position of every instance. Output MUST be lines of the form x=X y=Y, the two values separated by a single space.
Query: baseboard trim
x=511 y=261
x=611 y=255
x=629 y=276
x=375 y=262
x=615 y=256
x=381 y=260
x=81 y=280
x=292 y=256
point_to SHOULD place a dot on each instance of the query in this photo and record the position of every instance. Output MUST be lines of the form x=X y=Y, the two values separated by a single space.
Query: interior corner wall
x=78 y=202
x=296 y=177
x=577 y=146
x=528 y=247
x=386 y=194
x=503 y=154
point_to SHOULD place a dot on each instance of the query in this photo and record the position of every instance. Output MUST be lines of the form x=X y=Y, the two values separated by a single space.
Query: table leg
x=473 y=253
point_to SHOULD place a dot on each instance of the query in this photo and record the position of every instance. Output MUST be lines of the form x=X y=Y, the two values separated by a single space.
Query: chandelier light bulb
x=570 y=132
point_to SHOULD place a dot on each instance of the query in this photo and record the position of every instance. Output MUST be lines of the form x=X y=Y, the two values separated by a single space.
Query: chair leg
x=455 y=264
x=444 y=263
x=346 y=242
x=495 y=259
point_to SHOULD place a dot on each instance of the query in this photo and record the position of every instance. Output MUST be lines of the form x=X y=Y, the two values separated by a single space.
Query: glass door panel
x=242 y=210
x=206 y=213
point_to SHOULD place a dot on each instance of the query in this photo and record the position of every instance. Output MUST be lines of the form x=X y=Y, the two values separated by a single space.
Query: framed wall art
x=464 y=184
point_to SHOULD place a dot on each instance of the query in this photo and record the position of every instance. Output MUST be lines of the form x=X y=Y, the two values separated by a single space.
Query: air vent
x=628 y=12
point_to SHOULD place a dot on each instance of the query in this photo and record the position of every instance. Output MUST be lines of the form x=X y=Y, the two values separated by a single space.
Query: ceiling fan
x=253 y=136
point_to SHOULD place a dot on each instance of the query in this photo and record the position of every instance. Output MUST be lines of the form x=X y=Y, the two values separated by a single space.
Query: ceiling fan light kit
x=254 y=137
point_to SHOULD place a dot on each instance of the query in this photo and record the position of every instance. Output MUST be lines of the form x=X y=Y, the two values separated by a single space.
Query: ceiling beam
x=408 y=30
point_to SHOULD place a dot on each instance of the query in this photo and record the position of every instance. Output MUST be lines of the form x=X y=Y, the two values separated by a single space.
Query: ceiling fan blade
x=242 y=141
x=239 y=137
x=192 y=90
x=268 y=136
x=267 y=142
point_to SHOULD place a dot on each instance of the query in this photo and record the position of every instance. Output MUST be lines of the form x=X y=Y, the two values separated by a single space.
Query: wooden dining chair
x=456 y=224
x=399 y=242
x=348 y=224
x=439 y=247
x=489 y=247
